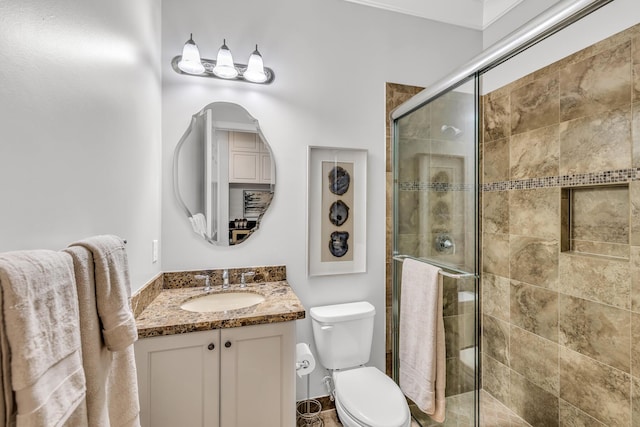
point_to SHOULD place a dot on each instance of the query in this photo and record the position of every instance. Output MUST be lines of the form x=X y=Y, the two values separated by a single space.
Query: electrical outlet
x=154 y=251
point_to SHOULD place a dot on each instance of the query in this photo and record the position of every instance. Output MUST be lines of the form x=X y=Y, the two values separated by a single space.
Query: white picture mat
x=315 y=156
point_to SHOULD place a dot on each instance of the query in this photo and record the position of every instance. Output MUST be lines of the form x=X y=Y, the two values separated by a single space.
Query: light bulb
x=255 y=68
x=224 y=63
x=190 y=62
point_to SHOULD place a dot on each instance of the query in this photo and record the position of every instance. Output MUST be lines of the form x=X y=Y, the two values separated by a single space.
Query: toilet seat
x=370 y=397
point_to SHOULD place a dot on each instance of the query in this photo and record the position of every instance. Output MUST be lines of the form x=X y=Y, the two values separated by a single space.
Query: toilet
x=364 y=396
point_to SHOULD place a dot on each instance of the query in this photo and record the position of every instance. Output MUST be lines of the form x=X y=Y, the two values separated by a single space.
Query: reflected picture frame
x=336 y=210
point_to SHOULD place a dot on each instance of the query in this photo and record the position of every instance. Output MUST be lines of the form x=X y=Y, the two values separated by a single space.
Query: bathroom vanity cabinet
x=233 y=377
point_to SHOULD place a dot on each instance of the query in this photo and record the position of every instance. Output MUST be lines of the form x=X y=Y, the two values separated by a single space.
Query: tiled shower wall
x=561 y=312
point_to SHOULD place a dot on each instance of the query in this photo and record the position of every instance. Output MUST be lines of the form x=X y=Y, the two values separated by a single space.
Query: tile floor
x=459 y=414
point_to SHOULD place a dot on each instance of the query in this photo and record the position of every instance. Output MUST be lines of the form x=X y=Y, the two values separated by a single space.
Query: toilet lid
x=371 y=397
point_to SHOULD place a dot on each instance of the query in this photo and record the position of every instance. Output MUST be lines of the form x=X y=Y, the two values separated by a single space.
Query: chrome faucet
x=207 y=281
x=225 y=279
x=243 y=283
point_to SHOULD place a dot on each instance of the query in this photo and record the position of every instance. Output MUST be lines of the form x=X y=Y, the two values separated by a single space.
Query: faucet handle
x=243 y=276
x=207 y=281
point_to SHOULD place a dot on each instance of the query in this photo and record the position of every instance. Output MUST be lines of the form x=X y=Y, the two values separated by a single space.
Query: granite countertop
x=163 y=315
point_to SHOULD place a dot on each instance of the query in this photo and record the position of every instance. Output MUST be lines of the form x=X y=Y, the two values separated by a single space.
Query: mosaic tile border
x=435 y=186
x=619 y=176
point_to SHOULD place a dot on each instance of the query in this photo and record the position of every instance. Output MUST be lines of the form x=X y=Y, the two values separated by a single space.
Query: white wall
x=80 y=125
x=331 y=59
x=514 y=19
x=606 y=21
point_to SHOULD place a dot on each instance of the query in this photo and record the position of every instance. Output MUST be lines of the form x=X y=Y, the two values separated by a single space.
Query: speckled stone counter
x=163 y=315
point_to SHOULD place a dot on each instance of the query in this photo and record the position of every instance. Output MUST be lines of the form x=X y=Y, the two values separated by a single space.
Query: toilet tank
x=343 y=333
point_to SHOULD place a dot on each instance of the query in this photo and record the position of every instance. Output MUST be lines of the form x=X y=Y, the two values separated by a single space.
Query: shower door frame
x=395 y=315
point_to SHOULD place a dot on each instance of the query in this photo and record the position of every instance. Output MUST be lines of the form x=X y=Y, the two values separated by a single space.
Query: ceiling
x=475 y=14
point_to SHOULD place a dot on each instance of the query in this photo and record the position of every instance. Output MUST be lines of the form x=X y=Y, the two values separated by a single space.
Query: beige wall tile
x=535 y=105
x=597 y=389
x=635 y=345
x=535 y=213
x=408 y=212
x=634 y=225
x=596 y=84
x=535 y=405
x=585 y=143
x=570 y=416
x=535 y=154
x=635 y=52
x=495 y=379
x=596 y=330
x=603 y=280
x=635 y=415
x=495 y=212
x=415 y=125
x=496 y=118
x=539 y=366
x=495 y=296
x=635 y=132
x=495 y=254
x=634 y=267
x=496 y=160
x=534 y=309
x=495 y=339
x=409 y=151
x=534 y=261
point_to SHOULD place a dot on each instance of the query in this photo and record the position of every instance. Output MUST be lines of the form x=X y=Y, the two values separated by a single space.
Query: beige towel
x=104 y=291
x=40 y=324
x=422 y=345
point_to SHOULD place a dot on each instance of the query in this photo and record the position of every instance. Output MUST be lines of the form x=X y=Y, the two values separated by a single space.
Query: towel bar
x=458 y=275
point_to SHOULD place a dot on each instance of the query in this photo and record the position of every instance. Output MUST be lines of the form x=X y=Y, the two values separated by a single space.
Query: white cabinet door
x=244 y=167
x=249 y=159
x=258 y=376
x=237 y=377
x=178 y=379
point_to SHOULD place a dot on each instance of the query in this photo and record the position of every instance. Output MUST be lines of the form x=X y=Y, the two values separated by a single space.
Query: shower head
x=453 y=129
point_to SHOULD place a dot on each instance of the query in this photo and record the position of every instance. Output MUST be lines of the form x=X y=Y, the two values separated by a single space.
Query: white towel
x=422 y=346
x=199 y=224
x=41 y=330
x=105 y=295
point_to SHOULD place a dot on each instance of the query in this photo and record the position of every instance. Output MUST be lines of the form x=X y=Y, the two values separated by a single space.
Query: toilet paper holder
x=302 y=365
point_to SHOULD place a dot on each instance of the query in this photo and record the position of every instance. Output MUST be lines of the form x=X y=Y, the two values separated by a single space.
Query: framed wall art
x=336 y=211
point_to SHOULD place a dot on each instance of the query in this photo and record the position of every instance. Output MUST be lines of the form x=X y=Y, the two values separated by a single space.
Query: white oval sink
x=222 y=302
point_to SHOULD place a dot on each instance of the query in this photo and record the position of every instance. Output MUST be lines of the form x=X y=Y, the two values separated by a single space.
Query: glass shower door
x=435 y=221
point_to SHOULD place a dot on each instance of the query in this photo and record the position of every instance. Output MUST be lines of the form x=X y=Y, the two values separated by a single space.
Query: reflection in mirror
x=223 y=174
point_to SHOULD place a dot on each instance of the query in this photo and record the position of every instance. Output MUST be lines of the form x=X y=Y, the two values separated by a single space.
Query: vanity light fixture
x=223 y=66
x=190 y=60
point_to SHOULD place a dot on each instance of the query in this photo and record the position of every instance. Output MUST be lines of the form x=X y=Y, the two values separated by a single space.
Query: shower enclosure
x=435 y=144
x=435 y=221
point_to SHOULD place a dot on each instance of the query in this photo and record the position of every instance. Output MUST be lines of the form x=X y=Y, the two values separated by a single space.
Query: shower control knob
x=227 y=344
x=443 y=243
x=211 y=346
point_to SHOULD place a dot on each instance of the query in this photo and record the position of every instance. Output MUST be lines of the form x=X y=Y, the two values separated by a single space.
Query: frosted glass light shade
x=190 y=62
x=255 y=68
x=224 y=63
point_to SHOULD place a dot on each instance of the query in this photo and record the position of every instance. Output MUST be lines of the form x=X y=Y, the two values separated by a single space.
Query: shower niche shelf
x=595 y=220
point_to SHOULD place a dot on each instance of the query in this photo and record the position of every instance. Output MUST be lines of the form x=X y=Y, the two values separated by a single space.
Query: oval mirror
x=223 y=174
